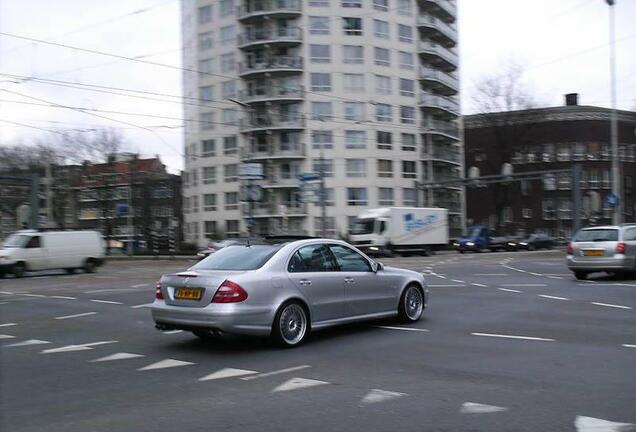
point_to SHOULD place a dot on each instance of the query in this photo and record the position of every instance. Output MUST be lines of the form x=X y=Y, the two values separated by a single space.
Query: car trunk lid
x=194 y=288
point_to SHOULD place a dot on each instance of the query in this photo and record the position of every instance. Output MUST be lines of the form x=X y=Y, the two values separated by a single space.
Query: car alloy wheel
x=292 y=324
x=413 y=303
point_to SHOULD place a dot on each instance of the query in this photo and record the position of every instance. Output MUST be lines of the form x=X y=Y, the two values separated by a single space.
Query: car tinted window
x=238 y=257
x=349 y=260
x=34 y=243
x=630 y=234
x=596 y=235
x=313 y=258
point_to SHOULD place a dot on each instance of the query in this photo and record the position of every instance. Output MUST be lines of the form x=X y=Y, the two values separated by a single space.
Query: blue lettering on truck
x=411 y=223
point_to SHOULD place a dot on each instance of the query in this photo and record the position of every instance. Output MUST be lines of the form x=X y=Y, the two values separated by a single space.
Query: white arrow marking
x=167 y=363
x=70 y=348
x=477 y=408
x=7 y=324
x=298 y=383
x=377 y=395
x=29 y=342
x=117 y=356
x=75 y=316
x=3 y=336
x=227 y=373
x=145 y=305
x=591 y=424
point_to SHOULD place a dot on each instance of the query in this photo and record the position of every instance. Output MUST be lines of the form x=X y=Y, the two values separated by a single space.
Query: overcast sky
x=562 y=44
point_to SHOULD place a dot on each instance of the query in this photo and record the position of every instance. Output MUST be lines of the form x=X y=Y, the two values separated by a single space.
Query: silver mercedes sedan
x=285 y=290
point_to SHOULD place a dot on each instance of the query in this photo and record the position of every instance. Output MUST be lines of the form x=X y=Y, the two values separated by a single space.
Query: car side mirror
x=377 y=266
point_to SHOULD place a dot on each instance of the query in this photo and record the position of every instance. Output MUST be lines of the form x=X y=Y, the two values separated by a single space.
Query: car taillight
x=229 y=292
x=158 y=293
x=620 y=247
x=568 y=249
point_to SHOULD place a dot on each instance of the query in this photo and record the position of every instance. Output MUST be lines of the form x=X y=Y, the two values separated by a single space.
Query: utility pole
x=131 y=237
x=35 y=201
x=616 y=173
x=323 y=204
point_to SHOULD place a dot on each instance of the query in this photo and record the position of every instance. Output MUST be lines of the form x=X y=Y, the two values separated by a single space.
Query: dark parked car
x=536 y=241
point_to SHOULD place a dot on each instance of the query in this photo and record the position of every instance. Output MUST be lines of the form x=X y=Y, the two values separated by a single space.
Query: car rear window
x=238 y=257
x=595 y=235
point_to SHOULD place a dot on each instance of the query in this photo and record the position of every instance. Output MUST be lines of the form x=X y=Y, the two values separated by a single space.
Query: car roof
x=601 y=227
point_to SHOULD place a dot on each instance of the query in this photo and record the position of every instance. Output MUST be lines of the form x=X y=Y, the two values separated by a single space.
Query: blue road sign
x=122 y=209
x=612 y=200
x=309 y=177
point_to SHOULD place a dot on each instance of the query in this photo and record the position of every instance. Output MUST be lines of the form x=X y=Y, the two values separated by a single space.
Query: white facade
x=367 y=85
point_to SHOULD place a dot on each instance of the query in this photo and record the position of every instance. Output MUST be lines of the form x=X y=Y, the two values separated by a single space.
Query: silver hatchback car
x=609 y=248
x=285 y=290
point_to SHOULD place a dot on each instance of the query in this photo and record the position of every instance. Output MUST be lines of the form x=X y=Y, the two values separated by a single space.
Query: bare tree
x=503 y=91
x=93 y=146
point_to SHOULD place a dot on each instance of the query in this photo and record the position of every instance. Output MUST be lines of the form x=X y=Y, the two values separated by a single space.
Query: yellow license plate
x=593 y=253
x=188 y=293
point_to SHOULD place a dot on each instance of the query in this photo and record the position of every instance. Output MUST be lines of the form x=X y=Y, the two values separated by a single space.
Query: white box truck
x=404 y=230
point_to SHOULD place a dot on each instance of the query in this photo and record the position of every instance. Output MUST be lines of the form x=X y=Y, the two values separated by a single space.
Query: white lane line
x=64 y=297
x=8 y=325
x=477 y=408
x=297 y=383
x=458 y=281
x=552 y=297
x=610 y=305
x=29 y=342
x=509 y=290
x=554 y=277
x=479 y=285
x=276 y=372
x=71 y=348
x=490 y=274
x=172 y=332
x=145 y=305
x=445 y=286
x=33 y=295
x=6 y=292
x=536 y=274
x=401 y=328
x=140 y=285
x=227 y=373
x=513 y=337
x=5 y=336
x=107 y=301
x=75 y=316
x=167 y=363
x=523 y=285
x=629 y=346
x=109 y=290
x=117 y=356
x=378 y=395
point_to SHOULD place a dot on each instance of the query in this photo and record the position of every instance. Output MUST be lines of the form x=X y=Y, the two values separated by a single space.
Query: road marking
x=402 y=328
x=610 y=305
x=167 y=363
x=490 y=274
x=8 y=325
x=277 y=372
x=477 y=408
x=509 y=290
x=227 y=373
x=64 y=297
x=479 y=285
x=140 y=285
x=513 y=337
x=377 y=395
x=29 y=342
x=458 y=281
x=75 y=316
x=554 y=277
x=445 y=286
x=5 y=336
x=6 y=292
x=145 y=305
x=169 y=332
x=117 y=356
x=33 y=295
x=108 y=290
x=591 y=424
x=297 y=383
x=107 y=301
x=629 y=346
x=536 y=274
x=523 y=285
x=81 y=347
x=552 y=297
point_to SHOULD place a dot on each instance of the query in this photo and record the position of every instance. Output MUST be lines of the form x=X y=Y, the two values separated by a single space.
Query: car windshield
x=16 y=241
x=472 y=232
x=596 y=235
x=238 y=257
x=362 y=226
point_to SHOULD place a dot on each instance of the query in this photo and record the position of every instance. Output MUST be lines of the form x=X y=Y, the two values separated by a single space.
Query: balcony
x=437 y=30
x=270 y=91
x=275 y=152
x=282 y=64
x=444 y=154
x=280 y=37
x=280 y=181
x=444 y=128
x=443 y=105
x=443 y=82
x=441 y=8
x=292 y=209
x=253 y=9
x=272 y=121
x=451 y=206
x=438 y=55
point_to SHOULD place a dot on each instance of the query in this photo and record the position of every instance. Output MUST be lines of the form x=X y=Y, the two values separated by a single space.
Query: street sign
x=251 y=171
x=122 y=209
x=309 y=177
x=612 y=200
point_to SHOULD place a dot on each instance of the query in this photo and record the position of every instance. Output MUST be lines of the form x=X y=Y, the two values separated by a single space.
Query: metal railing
x=443 y=28
x=256 y=7
x=270 y=90
x=276 y=62
x=273 y=121
x=443 y=154
x=448 y=80
x=447 y=128
x=439 y=102
x=270 y=35
x=427 y=47
x=273 y=151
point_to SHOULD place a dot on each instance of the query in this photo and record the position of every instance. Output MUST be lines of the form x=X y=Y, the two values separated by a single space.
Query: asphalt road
x=509 y=342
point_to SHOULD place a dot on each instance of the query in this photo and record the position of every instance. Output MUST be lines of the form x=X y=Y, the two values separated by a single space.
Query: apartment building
x=364 y=92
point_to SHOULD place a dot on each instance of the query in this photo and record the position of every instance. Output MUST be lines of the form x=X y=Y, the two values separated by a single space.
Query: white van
x=31 y=250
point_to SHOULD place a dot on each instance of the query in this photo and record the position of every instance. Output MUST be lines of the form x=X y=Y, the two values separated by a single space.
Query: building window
x=383 y=113
x=209 y=202
x=384 y=140
x=230 y=173
x=329 y=227
x=195 y=204
x=356 y=196
x=381 y=5
x=231 y=200
x=228 y=35
x=406 y=60
x=210 y=229
x=321 y=82
x=382 y=56
x=227 y=62
x=319 y=25
x=206 y=41
x=565 y=209
x=385 y=168
x=352 y=3
x=405 y=33
x=206 y=120
x=383 y=84
x=507 y=215
x=322 y=139
x=229 y=89
x=526 y=213
x=232 y=228
x=329 y=194
x=407 y=114
x=204 y=14
x=407 y=87
x=409 y=197
x=320 y=53
x=209 y=175
x=353 y=83
x=229 y=117
x=206 y=67
x=381 y=29
x=355 y=139
x=409 y=169
x=353 y=54
x=227 y=8
x=209 y=148
x=385 y=196
x=563 y=153
x=195 y=177
x=356 y=167
x=409 y=142
x=230 y=145
x=206 y=93
x=564 y=181
x=319 y=3
x=325 y=164
x=321 y=110
x=549 y=212
x=354 y=111
x=352 y=26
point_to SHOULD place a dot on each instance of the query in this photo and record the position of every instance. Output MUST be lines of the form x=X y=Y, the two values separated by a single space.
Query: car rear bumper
x=616 y=263
x=227 y=318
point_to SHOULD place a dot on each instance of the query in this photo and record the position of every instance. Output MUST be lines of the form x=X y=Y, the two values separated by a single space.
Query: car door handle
x=305 y=282
x=348 y=280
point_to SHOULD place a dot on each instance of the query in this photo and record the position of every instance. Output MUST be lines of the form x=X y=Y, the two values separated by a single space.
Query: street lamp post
x=616 y=175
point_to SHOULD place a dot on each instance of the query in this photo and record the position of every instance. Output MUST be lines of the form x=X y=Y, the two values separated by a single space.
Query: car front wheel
x=411 y=304
x=291 y=325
